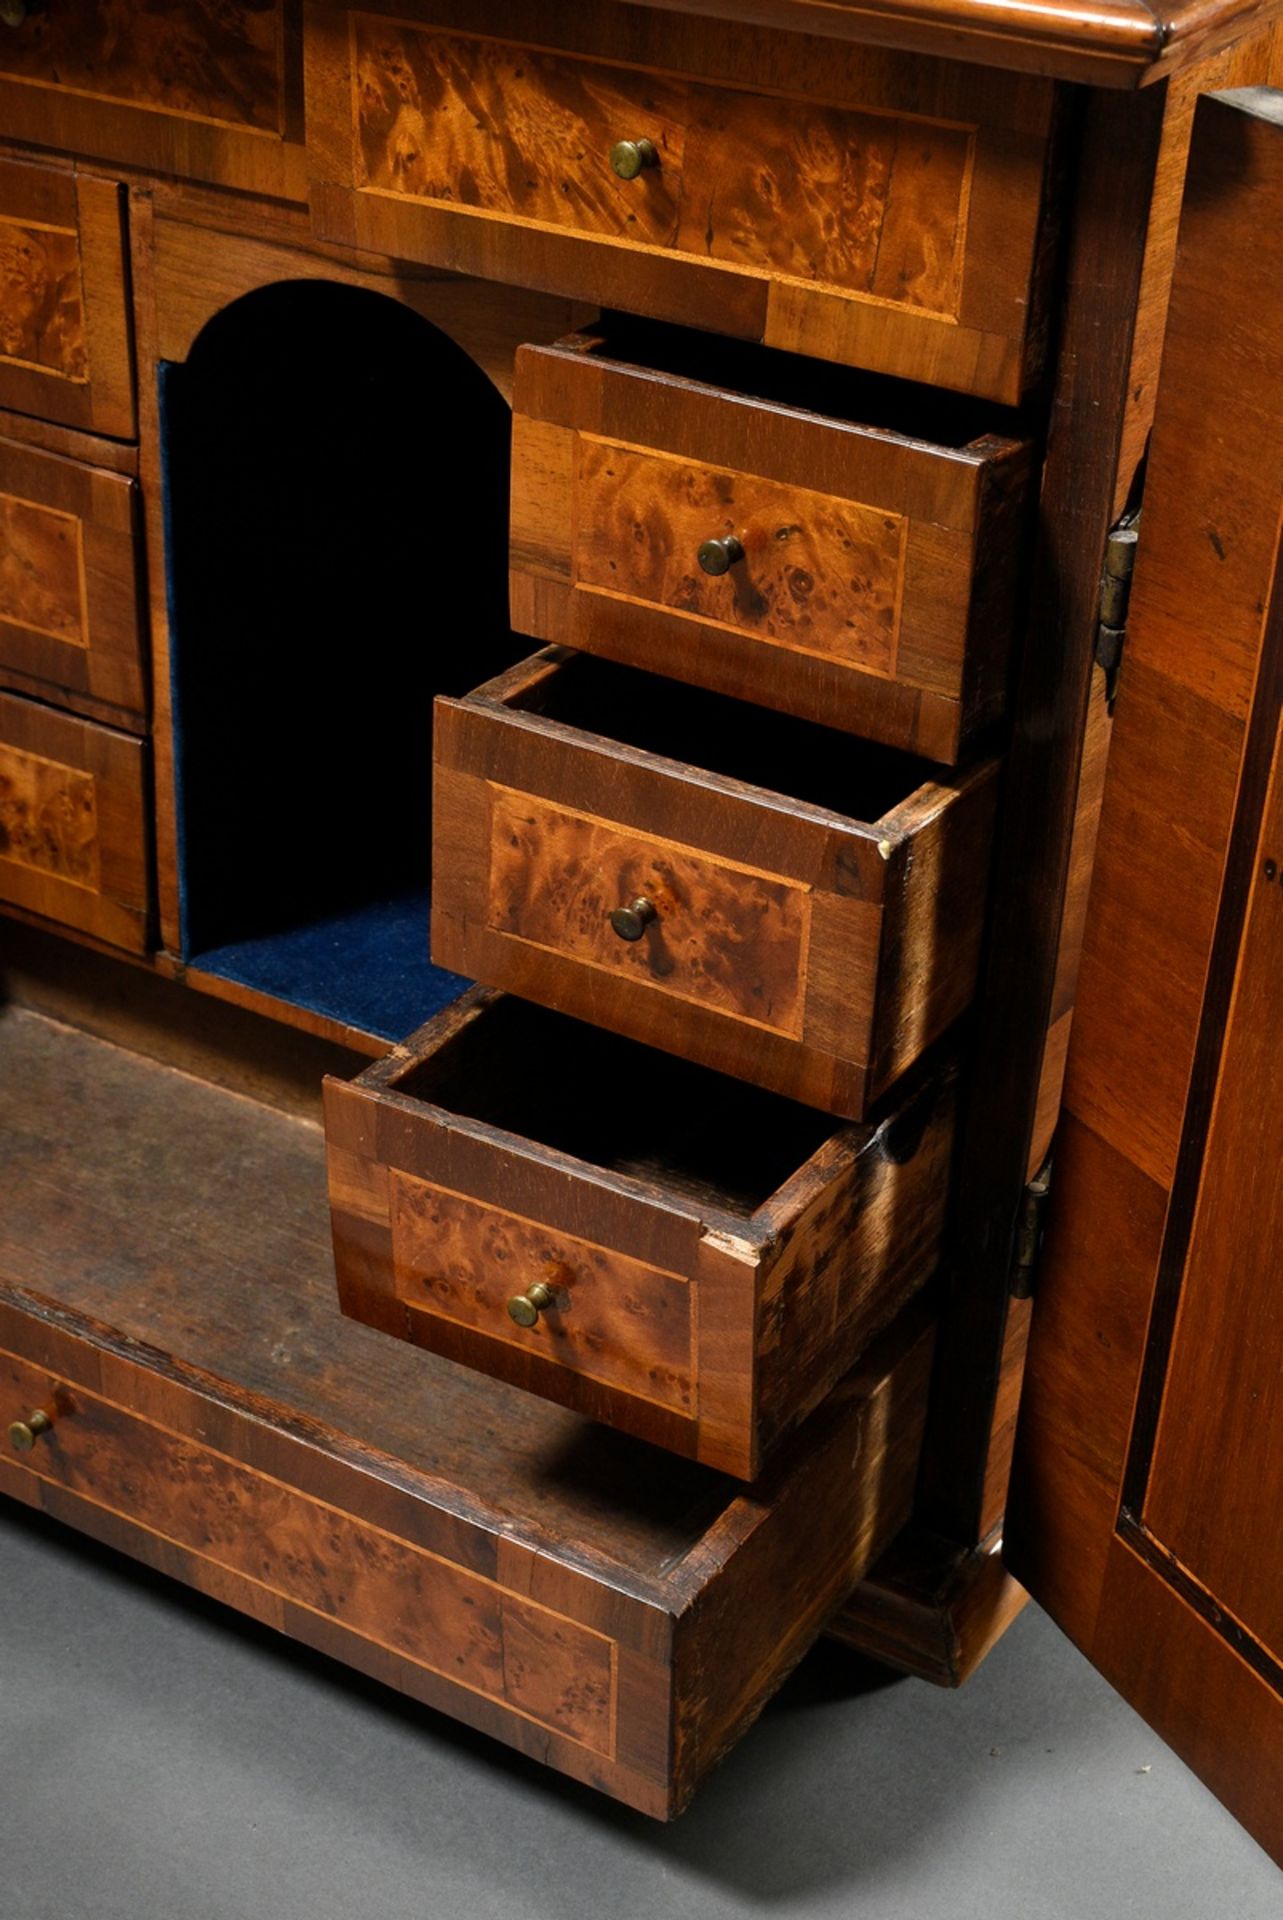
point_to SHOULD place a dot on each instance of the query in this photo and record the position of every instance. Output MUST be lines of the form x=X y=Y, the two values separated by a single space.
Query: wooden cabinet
x=1149 y=1470
x=664 y=1318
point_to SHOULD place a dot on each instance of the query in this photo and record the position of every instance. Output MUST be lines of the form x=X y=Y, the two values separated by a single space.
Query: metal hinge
x=1030 y=1227
x=1115 y=591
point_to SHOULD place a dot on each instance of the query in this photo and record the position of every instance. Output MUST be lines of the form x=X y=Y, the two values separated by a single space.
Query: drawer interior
x=751 y=744
x=615 y=1104
x=336 y=495
x=907 y=409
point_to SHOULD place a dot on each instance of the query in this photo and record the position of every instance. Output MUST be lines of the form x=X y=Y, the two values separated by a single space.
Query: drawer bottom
x=167 y=1304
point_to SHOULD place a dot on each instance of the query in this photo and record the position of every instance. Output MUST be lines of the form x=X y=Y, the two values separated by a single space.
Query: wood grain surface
x=914 y=190
x=1117 y=43
x=699 y=1300
x=207 y=88
x=1142 y=1509
x=73 y=831
x=874 y=204
x=69 y=588
x=64 y=319
x=792 y=946
x=727 y=938
x=462 y=1542
x=880 y=573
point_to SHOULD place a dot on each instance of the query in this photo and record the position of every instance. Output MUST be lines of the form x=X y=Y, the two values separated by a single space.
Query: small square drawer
x=676 y=507
x=69 y=600
x=65 y=350
x=663 y=1249
x=768 y=897
x=860 y=205
x=73 y=825
x=209 y=89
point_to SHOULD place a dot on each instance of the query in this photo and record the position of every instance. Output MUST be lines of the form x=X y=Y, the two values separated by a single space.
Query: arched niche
x=336 y=523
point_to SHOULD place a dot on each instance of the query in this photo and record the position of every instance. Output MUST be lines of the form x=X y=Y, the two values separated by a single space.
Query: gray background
x=159 y=1756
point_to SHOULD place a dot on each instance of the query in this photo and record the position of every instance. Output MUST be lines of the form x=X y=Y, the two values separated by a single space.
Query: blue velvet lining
x=368 y=967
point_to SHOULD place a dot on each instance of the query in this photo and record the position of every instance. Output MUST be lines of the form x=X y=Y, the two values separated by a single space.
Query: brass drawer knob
x=631 y=157
x=525 y=1308
x=15 y=13
x=719 y=556
x=23 y=1434
x=631 y=922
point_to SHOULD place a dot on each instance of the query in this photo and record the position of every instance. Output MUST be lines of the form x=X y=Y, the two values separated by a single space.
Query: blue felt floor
x=367 y=967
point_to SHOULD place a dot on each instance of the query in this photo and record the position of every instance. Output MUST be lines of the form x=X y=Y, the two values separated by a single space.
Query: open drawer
x=687 y=1259
x=759 y=894
x=836 y=546
x=167 y=1304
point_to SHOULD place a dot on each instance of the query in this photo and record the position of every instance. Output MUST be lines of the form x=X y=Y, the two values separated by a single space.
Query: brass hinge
x=1115 y=591
x=1030 y=1227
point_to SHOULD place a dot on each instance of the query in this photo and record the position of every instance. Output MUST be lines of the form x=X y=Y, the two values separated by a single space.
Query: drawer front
x=727 y=937
x=841 y=202
x=631 y=1673
x=205 y=88
x=73 y=833
x=64 y=327
x=69 y=591
x=642 y=1300
x=611 y=1318
x=779 y=944
x=543 y=1666
x=873 y=578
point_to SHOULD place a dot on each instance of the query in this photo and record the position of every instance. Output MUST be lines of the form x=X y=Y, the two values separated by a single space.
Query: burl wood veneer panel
x=73 y=822
x=168 y=1298
x=878 y=574
x=207 y=89
x=681 y=1309
x=914 y=189
x=790 y=945
x=69 y=588
x=64 y=317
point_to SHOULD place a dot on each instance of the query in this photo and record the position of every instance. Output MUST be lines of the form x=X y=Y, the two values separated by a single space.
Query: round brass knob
x=630 y=157
x=631 y=922
x=525 y=1308
x=14 y=13
x=719 y=556
x=23 y=1434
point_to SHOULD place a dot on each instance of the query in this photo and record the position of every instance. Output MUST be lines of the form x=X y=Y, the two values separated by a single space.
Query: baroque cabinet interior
x=548 y=595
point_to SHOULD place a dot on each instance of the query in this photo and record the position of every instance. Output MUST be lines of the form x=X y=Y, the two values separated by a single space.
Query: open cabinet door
x=1147 y=1504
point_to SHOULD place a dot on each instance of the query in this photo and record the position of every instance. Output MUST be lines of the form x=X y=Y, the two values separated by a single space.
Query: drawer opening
x=616 y=1104
x=723 y=736
x=336 y=475
x=906 y=408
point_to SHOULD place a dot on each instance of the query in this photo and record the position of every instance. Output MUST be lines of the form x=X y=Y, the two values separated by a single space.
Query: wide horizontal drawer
x=69 y=590
x=167 y=1301
x=204 y=88
x=756 y=893
x=73 y=822
x=64 y=320
x=858 y=566
x=648 y=1242
x=858 y=205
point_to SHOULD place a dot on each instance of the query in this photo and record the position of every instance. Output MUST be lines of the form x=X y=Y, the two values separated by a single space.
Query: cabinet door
x=1149 y=1477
